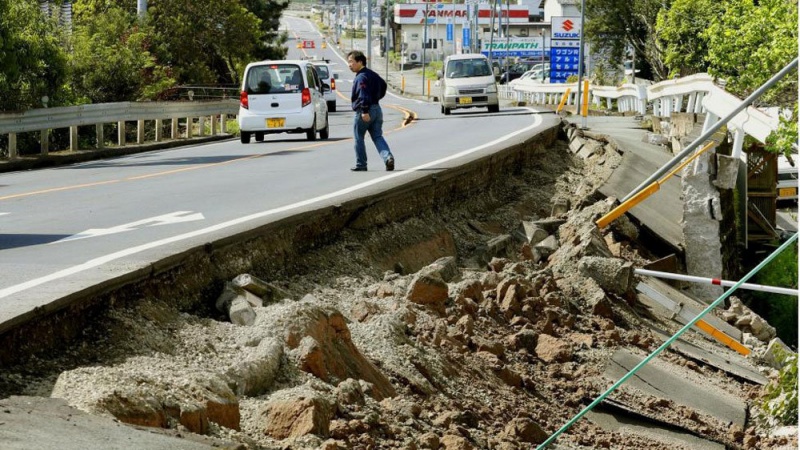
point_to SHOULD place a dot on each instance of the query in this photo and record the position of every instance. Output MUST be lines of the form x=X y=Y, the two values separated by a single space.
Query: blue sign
x=563 y=63
x=449 y=32
x=465 y=40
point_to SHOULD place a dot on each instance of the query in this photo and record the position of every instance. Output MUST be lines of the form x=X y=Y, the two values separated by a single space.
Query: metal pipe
x=713 y=128
x=716 y=282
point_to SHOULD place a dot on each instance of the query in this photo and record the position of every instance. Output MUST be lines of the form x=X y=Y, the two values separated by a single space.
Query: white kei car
x=328 y=77
x=282 y=97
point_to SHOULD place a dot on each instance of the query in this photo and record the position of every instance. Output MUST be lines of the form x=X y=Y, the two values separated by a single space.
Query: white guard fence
x=213 y=113
x=695 y=94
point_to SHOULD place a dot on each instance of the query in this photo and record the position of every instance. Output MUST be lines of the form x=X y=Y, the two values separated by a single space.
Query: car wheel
x=245 y=137
x=494 y=108
x=259 y=137
x=332 y=106
x=323 y=133
x=446 y=111
x=311 y=133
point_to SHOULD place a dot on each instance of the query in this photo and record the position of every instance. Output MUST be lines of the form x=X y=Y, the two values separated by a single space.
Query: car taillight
x=333 y=84
x=306 y=97
x=243 y=100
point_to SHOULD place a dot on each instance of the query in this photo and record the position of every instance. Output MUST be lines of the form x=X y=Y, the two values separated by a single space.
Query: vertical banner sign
x=465 y=36
x=449 y=32
x=564 y=48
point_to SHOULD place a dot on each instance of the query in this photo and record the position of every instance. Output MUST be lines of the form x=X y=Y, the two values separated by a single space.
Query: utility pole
x=424 y=46
x=369 y=31
x=580 y=66
x=508 y=37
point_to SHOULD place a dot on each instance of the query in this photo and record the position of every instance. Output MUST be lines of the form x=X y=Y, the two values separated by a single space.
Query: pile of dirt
x=491 y=328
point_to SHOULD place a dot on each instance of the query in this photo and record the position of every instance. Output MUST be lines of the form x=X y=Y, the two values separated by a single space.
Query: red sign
x=308 y=44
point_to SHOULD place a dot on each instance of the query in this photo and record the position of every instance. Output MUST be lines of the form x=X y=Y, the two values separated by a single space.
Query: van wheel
x=245 y=137
x=332 y=106
x=311 y=133
x=494 y=108
x=446 y=110
x=259 y=137
x=323 y=133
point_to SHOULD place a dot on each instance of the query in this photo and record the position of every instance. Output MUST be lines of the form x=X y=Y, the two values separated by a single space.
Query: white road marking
x=166 y=219
x=96 y=262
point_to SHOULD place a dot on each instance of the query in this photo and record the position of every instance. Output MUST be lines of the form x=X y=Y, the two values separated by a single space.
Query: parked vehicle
x=467 y=82
x=537 y=75
x=328 y=78
x=516 y=70
x=787 y=178
x=284 y=96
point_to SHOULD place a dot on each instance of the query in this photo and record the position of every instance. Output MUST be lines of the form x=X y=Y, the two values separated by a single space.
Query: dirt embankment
x=460 y=328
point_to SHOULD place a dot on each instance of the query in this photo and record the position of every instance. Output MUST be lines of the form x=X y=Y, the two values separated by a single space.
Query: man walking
x=368 y=89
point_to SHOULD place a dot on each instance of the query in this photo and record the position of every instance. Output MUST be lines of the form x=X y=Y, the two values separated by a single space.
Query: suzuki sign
x=566 y=28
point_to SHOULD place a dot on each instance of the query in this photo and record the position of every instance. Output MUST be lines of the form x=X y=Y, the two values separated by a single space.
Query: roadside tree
x=112 y=58
x=680 y=30
x=32 y=62
x=612 y=26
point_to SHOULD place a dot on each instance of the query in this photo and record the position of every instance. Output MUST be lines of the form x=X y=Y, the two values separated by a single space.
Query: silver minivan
x=467 y=82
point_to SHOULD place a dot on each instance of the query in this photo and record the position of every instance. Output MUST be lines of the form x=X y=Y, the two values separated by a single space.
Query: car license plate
x=276 y=123
x=787 y=192
x=464 y=100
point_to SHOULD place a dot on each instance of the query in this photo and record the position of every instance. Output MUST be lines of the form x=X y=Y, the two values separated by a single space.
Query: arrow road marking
x=105 y=259
x=166 y=219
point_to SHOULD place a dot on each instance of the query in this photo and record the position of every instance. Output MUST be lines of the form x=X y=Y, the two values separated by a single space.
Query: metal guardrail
x=45 y=119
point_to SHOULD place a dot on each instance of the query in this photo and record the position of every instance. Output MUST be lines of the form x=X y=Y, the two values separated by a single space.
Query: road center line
x=96 y=262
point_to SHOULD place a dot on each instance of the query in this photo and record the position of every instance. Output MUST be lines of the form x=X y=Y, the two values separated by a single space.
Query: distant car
x=467 y=82
x=787 y=178
x=533 y=75
x=285 y=96
x=328 y=77
x=516 y=70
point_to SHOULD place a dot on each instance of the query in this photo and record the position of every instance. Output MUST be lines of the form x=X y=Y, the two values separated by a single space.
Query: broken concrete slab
x=39 y=422
x=673 y=304
x=727 y=361
x=664 y=380
x=668 y=434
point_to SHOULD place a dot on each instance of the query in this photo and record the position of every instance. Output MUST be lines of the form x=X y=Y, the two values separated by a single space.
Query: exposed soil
x=496 y=348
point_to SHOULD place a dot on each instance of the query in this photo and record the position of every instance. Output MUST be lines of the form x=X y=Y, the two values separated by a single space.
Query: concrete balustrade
x=146 y=113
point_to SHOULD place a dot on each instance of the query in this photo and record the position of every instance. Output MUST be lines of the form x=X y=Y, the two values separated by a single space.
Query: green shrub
x=779 y=397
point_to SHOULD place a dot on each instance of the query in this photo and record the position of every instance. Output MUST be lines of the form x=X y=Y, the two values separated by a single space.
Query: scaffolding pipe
x=668 y=342
x=717 y=282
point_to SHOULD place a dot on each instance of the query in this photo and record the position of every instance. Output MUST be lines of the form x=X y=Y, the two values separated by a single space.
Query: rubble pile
x=494 y=347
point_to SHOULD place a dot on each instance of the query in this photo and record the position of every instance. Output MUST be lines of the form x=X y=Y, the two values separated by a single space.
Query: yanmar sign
x=566 y=28
x=440 y=13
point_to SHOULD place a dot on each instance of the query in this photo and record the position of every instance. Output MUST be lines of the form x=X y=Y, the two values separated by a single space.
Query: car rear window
x=274 y=79
x=323 y=71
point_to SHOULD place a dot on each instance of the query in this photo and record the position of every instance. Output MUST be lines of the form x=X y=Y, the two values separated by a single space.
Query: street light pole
x=541 y=33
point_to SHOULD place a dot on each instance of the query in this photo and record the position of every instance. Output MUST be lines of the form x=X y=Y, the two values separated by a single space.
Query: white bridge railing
x=695 y=94
x=43 y=120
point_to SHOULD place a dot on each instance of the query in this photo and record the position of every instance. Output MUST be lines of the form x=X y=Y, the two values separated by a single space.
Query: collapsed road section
x=480 y=308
